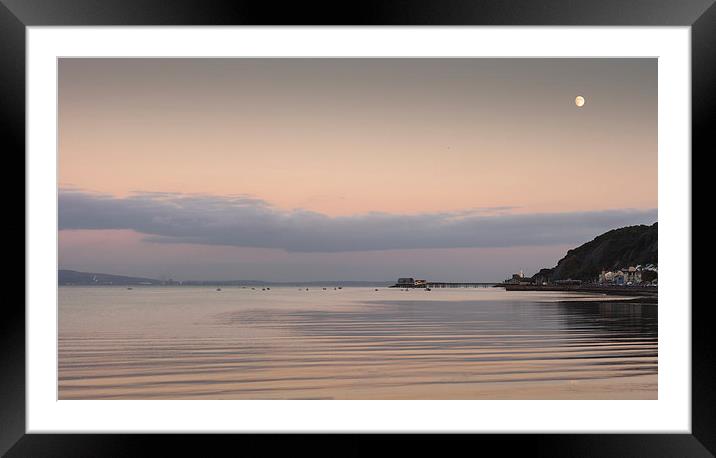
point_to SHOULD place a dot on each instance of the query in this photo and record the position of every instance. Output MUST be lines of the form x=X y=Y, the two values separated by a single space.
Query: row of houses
x=633 y=275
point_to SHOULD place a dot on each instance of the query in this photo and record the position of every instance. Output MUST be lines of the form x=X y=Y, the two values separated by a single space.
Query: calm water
x=354 y=343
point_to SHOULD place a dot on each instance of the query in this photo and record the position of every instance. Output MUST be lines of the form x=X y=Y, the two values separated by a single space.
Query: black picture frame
x=16 y=15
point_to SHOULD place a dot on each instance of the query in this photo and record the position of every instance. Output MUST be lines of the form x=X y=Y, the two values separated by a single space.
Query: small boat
x=129 y=288
x=428 y=289
x=218 y=289
x=376 y=289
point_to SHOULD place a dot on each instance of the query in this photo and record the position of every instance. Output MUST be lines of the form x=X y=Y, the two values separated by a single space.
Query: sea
x=184 y=342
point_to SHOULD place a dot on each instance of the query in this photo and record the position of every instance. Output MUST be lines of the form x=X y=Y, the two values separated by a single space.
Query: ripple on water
x=351 y=345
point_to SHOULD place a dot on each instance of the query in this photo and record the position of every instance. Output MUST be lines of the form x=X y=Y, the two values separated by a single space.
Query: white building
x=626 y=276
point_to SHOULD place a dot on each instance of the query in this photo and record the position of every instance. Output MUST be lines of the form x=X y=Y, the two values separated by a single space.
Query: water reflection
x=357 y=346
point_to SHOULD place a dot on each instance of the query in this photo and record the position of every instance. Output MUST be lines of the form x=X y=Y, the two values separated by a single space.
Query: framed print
x=251 y=221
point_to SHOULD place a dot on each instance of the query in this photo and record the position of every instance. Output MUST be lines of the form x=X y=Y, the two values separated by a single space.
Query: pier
x=412 y=283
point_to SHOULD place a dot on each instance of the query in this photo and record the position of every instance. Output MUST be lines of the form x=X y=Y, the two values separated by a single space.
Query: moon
x=579 y=101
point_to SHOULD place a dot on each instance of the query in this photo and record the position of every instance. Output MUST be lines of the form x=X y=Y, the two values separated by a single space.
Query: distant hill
x=618 y=248
x=72 y=277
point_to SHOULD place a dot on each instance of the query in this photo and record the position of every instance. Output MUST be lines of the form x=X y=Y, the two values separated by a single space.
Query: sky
x=349 y=169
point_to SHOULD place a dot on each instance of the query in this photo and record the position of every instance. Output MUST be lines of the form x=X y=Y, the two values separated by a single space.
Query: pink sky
x=343 y=137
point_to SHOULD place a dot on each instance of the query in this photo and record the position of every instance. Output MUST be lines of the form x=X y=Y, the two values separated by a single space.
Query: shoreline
x=636 y=291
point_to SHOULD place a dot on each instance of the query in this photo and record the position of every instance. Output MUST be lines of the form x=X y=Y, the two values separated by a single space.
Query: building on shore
x=410 y=282
x=519 y=279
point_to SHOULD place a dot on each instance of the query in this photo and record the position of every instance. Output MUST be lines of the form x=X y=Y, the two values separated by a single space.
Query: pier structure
x=441 y=284
x=444 y=284
x=410 y=282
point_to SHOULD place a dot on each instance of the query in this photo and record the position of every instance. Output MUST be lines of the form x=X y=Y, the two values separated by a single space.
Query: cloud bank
x=249 y=222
